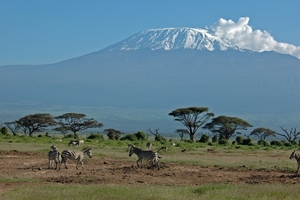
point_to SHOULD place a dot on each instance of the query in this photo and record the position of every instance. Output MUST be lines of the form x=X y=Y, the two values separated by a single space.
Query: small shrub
x=239 y=139
x=4 y=130
x=246 y=141
x=276 y=143
x=160 y=138
x=214 y=139
x=204 y=138
x=223 y=141
x=131 y=137
x=262 y=143
x=95 y=137
x=287 y=144
x=141 y=135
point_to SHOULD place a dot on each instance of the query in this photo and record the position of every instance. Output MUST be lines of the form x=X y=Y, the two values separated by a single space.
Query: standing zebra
x=75 y=155
x=297 y=157
x=147 y=155
x=53 y=155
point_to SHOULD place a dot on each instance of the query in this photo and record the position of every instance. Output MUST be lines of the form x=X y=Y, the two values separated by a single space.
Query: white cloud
x=256 y=40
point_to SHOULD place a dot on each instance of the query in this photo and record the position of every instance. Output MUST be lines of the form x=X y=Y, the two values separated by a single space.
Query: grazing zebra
x=147 y=155
x=75 y=155
x=54 y=155
x=74 y=142
x=149 y=145
x=163 y=148
x=297 y=157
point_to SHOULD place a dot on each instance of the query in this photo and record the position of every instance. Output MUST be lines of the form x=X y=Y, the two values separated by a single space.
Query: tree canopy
x=263 y=133
x=36 y=123
x=75 y=122
x=192 y=118
x=291 y=136
x=226 y=126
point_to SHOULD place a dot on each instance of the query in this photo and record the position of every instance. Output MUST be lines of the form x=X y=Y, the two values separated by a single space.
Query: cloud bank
x=256 y=40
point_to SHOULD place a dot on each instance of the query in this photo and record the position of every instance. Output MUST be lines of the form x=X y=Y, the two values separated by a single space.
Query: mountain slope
x=136 y=88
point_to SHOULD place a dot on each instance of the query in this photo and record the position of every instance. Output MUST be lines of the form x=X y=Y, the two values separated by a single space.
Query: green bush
x=262 y=143
x=287 y=144
x=214 y=139
x=246 y=141
x=160 y=138
x=131 y=137
x=95 y=137
x=141 y=135
x=239 y=139
x=276 y=143
x=204 y=138
x=4 y=130
x=223 y=141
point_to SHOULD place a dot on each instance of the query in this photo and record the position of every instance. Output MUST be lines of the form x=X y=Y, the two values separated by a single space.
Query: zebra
x=74 y=142
x=297 y=157
x=147 y=155
x=54 y=155
x=75 y=155
x=163 y=148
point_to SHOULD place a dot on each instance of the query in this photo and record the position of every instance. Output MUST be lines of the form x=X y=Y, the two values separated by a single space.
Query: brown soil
x=104 y=170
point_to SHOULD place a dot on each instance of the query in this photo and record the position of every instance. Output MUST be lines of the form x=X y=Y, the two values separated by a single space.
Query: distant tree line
x=73 y=122
x=222 y=128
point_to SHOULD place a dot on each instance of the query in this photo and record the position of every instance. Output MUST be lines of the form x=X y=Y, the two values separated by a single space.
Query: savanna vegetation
x=228 y=164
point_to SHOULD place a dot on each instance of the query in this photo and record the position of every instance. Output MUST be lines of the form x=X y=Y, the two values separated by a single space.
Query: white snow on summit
x=174 y=38
x=223 y=35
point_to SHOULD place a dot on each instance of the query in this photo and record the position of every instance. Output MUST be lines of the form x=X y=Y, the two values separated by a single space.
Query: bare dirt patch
x=104 y=170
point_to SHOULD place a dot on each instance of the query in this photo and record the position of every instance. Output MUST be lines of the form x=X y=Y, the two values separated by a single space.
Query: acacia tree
x=226 y=126
x=263 y=133
x=14 y=127
x=192 y=118
x=291 y=135
x=75 y=122
x=36 y=123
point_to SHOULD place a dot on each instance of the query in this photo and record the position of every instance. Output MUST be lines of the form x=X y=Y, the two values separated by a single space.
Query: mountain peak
x=174 y=38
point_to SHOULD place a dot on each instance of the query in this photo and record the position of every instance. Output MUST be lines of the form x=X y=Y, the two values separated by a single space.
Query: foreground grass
x=215 y=191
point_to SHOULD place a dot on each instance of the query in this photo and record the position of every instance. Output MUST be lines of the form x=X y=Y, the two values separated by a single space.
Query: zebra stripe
x=297 y=157
x=146 y=155
x=54 y=156
x=75 y=155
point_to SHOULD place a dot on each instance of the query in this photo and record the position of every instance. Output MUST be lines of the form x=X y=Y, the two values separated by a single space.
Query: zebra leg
x=137 y=162
x=64 y=160
x=55 y=164
x=49 y=162
x=79 y=162
x=141 y=163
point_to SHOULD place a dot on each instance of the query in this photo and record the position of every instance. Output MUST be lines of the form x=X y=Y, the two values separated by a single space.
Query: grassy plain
x=238 y=157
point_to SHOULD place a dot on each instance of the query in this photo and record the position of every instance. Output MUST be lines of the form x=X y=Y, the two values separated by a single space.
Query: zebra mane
x=86 y=149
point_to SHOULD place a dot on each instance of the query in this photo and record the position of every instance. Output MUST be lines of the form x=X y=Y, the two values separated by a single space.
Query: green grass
x=231 y=156
x=212 y=191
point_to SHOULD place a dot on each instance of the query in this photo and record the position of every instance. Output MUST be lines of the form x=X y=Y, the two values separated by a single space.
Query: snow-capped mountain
x=174 y=38
x=133 y=84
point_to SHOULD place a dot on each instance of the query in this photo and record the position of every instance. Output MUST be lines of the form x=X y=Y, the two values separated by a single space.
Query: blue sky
x=49 y=31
